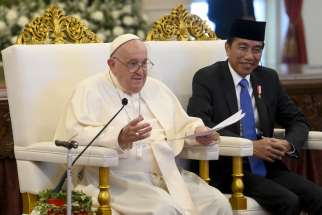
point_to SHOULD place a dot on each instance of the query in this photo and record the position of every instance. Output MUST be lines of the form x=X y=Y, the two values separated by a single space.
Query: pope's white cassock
x=147 y=180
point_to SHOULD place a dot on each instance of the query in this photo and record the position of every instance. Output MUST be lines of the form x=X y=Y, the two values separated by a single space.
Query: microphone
x=73 y=143
x=67 y=144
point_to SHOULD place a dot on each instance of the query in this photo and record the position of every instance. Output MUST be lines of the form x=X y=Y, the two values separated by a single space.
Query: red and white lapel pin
x=259 y=91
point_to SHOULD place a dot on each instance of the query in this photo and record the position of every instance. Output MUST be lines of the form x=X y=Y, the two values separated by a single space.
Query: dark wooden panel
x=6 y=140
x=304 y=86
x=10 y=199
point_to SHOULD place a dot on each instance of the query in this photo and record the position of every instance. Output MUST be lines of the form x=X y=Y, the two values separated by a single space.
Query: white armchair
x=40 y=79
x=191 y=27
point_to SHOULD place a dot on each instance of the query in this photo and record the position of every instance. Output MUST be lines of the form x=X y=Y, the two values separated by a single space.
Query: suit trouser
x=284 y=192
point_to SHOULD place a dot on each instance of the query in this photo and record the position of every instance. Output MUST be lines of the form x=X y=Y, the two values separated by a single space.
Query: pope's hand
x=207 y=139
x=135 y=130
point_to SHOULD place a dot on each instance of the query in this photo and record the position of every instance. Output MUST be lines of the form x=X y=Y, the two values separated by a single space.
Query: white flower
x=145 y=17
x=22 y=21
x=97 y=15
x=36 y=14
x=115 y=14
x=140 y=34
x=118 y=30
x=61 y=5
x=81 y=6
x=101 y=36
x=127 y=9
x=108 y=33
x=11 y=16
x=128 y=20
x=85 y=22
x=13 y=40
x=3 y=26
x=76 y=15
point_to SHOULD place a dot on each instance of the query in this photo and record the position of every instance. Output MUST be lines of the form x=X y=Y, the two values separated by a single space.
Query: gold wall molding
x=181 y=25
x=54 y=28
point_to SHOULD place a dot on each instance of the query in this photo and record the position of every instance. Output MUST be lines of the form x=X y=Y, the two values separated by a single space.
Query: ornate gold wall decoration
x=181 y=25
x=55 y=27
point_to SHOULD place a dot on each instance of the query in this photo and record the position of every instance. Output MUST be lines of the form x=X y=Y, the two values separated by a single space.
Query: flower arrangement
x=107 y=18
x=53 y=203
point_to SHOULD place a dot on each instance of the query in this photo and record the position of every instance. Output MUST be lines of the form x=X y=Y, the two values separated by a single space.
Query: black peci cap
x=248 y=29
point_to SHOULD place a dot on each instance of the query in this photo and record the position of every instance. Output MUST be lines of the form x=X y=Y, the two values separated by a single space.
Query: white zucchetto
x=120 y=40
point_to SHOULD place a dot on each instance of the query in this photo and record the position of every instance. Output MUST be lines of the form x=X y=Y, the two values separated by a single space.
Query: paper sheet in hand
x=230 y=120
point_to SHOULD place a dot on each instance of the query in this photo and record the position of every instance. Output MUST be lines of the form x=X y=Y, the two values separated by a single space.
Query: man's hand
x=271 y=149
x=134 y=131
x=205 y=140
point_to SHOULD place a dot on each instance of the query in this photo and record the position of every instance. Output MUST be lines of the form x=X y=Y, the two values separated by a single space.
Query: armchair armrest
x=235 y=146
x=200 y=152
x=228 y=146
x=203 y=154
x=49 y=152
x=314 y=141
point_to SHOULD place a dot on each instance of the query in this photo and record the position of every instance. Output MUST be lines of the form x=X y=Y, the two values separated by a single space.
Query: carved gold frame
x=54 y=27
x=181 y=25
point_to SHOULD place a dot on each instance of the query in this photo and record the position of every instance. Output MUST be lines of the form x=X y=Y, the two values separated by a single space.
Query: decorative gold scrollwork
x=181 y=25
x=55 y=27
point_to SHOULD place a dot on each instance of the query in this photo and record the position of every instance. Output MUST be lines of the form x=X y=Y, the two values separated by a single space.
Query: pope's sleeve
x=83 y=120
x=184 y=124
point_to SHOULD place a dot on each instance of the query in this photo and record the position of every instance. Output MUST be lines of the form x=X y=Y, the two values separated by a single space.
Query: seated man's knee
x=292 y=203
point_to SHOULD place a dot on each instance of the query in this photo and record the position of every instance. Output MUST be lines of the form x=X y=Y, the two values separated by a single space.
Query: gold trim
x=104 y=196
x=204 y=170
x=181 y=25
x=237 y=200
x=54 y=28
x=29 y=202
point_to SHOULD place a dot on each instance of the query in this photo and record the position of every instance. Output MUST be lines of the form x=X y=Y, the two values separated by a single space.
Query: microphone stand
x=69 y=145
x=73 y=144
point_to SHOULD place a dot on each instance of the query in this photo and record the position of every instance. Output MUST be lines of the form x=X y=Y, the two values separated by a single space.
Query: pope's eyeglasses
x=134 y=66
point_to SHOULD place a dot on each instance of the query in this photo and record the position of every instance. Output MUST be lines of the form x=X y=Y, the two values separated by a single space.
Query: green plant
x=81 y=203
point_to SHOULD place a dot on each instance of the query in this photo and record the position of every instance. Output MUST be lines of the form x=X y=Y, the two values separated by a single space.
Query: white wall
x=155 y=9
x=312 y=16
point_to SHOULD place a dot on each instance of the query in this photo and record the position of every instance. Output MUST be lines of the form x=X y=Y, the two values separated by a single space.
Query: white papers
x=230 y=120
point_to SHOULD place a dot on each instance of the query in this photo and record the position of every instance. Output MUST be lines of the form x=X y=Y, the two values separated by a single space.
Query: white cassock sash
x=176 y=186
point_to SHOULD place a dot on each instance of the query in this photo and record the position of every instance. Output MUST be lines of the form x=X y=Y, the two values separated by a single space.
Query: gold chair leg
x=104 y=195
x=204 y=170
x=28 y=202
x=237 y=200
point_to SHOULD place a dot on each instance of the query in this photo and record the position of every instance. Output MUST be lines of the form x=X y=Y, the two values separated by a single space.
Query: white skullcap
x=120 y=40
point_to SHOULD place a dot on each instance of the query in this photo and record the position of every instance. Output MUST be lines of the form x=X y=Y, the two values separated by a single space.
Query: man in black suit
x=221 y=89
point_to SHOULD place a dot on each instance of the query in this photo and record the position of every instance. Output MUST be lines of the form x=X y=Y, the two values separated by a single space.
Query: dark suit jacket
x=214 y=99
